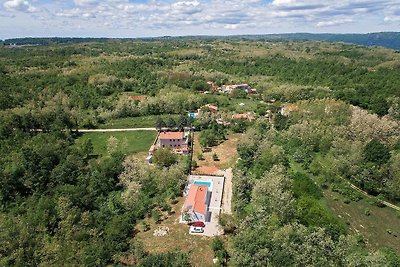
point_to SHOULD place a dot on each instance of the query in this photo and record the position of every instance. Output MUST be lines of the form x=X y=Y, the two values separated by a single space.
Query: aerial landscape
x=199 y=133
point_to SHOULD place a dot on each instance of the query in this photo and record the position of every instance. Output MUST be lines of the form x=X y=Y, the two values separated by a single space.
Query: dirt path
x=227 y=196
x=366 y=194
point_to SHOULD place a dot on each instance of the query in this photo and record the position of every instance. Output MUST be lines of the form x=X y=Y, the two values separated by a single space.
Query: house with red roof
x=176 y=141
x=208 y=107
x=196 y=203
x=137 y=97
x=244 y=116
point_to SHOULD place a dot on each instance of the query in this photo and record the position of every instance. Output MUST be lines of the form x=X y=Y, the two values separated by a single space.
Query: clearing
x=178 y=238
x=226 y=152
x=380 y=228
x=128 y=142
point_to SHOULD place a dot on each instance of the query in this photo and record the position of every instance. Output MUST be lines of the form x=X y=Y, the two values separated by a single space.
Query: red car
x=197 y=224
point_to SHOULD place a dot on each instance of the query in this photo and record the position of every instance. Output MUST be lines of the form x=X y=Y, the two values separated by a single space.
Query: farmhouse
x=230 y=88
x=176 y=141
x=243 y=116
x=208 y=107
x=289 y=108
x=138 y=98
x=196 y=203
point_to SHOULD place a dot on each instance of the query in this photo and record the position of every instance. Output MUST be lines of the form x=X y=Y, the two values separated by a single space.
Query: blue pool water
x=202 y=183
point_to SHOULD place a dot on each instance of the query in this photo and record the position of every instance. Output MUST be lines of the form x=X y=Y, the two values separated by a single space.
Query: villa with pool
x=203 y=198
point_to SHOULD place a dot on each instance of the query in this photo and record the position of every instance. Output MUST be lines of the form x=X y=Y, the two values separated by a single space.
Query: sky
x=149 y=18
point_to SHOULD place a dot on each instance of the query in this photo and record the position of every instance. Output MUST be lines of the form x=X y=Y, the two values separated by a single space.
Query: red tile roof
x=171 y=135
x=196 y=198
x=137 y=97
x=243 y=116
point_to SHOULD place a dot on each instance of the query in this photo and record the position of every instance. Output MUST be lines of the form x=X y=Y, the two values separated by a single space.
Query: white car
x=196 y=230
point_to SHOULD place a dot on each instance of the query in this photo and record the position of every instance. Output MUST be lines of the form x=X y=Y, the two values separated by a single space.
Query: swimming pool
x=203 y=183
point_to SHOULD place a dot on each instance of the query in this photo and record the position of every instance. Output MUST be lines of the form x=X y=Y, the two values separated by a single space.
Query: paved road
x=115 y=130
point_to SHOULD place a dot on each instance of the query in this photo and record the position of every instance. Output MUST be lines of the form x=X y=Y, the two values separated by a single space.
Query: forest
x=63 y=204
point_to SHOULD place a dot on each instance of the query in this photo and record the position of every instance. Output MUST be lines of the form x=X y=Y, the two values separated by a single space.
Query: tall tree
x=160 y=124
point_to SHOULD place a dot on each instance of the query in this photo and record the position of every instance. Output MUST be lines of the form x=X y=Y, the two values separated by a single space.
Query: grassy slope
x=129 y=142
x=375 y=227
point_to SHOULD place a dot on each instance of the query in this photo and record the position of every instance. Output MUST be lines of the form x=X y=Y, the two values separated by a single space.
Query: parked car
x=197 y=230
x=197 y=224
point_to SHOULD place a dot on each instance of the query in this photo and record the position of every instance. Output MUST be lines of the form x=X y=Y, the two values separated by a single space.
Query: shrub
x=215 y=157
x=303 y=186
x=145 y=226
x=194 y=164
x=367 y=211
x=156 y=215
x=200 y=156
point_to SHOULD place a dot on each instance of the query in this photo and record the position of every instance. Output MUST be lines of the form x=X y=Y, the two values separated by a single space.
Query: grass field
x=128 y=142
x=379 y=228
x=198 y=247
x=136 y=122
x=234 y=104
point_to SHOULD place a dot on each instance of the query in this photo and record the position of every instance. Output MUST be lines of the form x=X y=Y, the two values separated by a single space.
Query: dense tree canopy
x=62 y=205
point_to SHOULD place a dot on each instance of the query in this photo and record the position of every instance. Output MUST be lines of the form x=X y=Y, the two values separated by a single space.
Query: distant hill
x=385 y=39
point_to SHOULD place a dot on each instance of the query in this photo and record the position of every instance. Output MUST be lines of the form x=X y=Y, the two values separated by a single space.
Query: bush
x=194 y=164
x=200 y=156
x=145 y=226
x=215 y=157
x=165 y=207
x=156 y=215
x=367 y=211
x=303 y=185
x=227 y=222
x=219 y=251
x=347 y=192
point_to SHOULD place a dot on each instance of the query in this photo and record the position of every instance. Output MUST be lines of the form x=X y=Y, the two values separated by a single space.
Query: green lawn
x=136 y=122
x=128 y=142
x=233 y=104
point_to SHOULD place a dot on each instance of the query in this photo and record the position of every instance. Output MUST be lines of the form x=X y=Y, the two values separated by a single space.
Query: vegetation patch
x=125 y=142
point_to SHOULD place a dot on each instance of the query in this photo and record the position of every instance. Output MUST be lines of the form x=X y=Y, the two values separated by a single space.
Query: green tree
x=182 y=122
x=160 y=124
x=164 y=157
x=200 y=85
x=376 y=152
x=171 y=123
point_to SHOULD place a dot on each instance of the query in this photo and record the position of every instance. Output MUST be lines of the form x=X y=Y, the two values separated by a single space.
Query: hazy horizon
x=153 y=18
